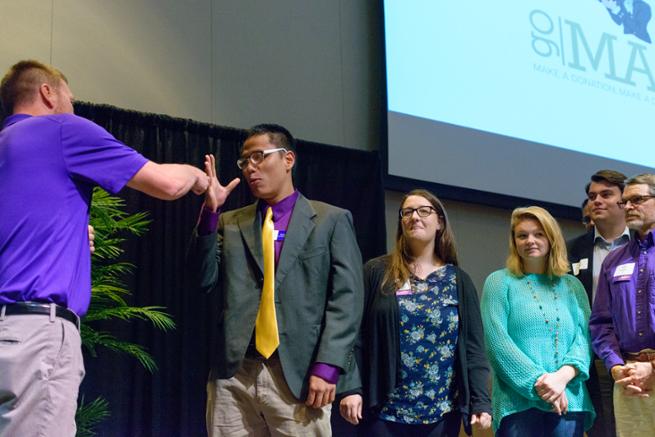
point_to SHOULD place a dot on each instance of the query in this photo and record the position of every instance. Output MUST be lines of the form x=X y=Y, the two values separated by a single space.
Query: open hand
x=216 y=193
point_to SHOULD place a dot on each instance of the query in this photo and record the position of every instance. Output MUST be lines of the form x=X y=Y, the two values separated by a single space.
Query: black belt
x=24 y=308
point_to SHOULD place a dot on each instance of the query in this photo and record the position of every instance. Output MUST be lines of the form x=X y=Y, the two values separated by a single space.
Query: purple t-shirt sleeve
x=93 y=154
x=327 y=372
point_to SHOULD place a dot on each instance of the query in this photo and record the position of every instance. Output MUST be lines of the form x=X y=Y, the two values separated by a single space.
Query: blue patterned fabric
x=429 y=320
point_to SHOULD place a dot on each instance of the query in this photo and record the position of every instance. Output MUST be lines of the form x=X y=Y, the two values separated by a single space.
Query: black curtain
x=171 y=402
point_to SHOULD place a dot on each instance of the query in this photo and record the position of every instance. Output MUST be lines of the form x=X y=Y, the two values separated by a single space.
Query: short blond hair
x=557 y=264
x=21 y=82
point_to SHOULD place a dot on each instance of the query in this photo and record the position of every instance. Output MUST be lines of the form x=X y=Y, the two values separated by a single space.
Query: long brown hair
x=398 y=270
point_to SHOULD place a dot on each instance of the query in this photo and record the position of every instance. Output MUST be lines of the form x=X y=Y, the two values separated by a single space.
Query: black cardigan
x=378 y=347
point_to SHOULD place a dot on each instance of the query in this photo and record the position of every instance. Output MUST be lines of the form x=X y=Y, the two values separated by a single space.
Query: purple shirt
x=282 y=212
x=281 y=217
x=623 y=314
x=48 y=167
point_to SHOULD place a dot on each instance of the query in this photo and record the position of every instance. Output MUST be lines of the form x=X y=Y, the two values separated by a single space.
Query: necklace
x=552 y=326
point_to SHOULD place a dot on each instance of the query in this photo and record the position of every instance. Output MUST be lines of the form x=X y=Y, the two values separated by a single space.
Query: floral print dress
x=429 y=320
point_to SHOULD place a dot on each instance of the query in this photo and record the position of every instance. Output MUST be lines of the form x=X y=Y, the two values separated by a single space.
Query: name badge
x=583 y=264
x=405 y=290
x=279 y=235
x=624 y=271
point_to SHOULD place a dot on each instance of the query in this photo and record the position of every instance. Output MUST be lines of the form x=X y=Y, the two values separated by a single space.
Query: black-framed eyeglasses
x=634 y=200
x=257 y=157
x=422 y=211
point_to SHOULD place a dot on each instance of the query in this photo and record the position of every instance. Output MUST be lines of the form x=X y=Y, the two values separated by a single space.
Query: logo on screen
x=575 y=51
x=632 y=15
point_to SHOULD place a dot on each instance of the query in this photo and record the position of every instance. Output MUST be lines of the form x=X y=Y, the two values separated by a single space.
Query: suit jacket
x=580 y=248
x=318 y=288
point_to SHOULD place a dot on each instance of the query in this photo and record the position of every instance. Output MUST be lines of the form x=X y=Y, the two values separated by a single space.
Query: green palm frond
x=91 y=339
x=109 y=295
x=89 y=415
x=153 y=314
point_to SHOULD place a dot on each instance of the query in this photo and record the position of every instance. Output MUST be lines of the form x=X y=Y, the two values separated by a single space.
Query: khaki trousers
x=257 y=402
x=634 y=416
x=41 y=369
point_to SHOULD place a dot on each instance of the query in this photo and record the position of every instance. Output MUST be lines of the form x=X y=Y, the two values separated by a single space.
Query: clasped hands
x=550 y=388
x=636 y=378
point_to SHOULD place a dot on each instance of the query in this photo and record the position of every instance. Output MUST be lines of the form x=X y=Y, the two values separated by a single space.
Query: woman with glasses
x=421 y=349
x=536 y=330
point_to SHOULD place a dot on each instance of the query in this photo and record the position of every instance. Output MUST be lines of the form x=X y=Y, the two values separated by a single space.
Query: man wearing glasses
x=586 y=255
x=622 y=321
x=289 y=274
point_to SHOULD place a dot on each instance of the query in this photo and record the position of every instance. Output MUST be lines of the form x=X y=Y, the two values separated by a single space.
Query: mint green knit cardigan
x=521 y=347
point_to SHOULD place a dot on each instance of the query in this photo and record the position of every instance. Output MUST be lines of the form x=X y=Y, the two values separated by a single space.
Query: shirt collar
x=648 y=241
x=624 y=237
x=13 y=119
x=282 y=208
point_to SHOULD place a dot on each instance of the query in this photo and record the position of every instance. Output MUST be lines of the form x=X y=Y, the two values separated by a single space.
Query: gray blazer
x=318 y=288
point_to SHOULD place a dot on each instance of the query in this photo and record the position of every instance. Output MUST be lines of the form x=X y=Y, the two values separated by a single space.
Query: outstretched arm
x=169 y=181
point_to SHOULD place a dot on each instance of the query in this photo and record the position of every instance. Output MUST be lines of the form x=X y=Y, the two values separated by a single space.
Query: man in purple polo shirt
x=277 y=375
x=622 y=321
x=50 y=160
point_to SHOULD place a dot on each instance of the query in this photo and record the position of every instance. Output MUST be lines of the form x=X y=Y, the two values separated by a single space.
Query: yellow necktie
x=266 y=335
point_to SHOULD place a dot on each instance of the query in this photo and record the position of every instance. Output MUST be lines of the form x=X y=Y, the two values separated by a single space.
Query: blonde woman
x=536 y=318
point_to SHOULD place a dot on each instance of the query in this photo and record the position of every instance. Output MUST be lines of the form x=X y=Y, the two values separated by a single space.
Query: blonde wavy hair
x=557 y=263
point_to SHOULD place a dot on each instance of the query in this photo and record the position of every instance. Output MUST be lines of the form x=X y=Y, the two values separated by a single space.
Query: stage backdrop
x=171 y=402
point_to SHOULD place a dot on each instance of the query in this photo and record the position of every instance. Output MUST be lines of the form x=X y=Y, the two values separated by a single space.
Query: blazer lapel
x=250 y=224
x=299 y=228
x=587 y=275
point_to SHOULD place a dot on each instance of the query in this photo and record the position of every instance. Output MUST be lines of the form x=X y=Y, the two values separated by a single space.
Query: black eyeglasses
x=634 y=200
x=257 y=157
x=422 y=211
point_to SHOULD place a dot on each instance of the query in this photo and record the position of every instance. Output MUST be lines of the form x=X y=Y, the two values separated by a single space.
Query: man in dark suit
x=586 y=255
x=286 y=330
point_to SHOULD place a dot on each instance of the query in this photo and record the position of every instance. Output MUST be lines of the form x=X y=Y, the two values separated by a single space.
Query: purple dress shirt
x=623 y=315
x=282 y=212
x=49 y=166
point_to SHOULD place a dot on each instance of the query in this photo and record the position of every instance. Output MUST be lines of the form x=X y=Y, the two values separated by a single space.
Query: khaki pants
x=634 y=416
x=257 y=402
x=41 y=369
